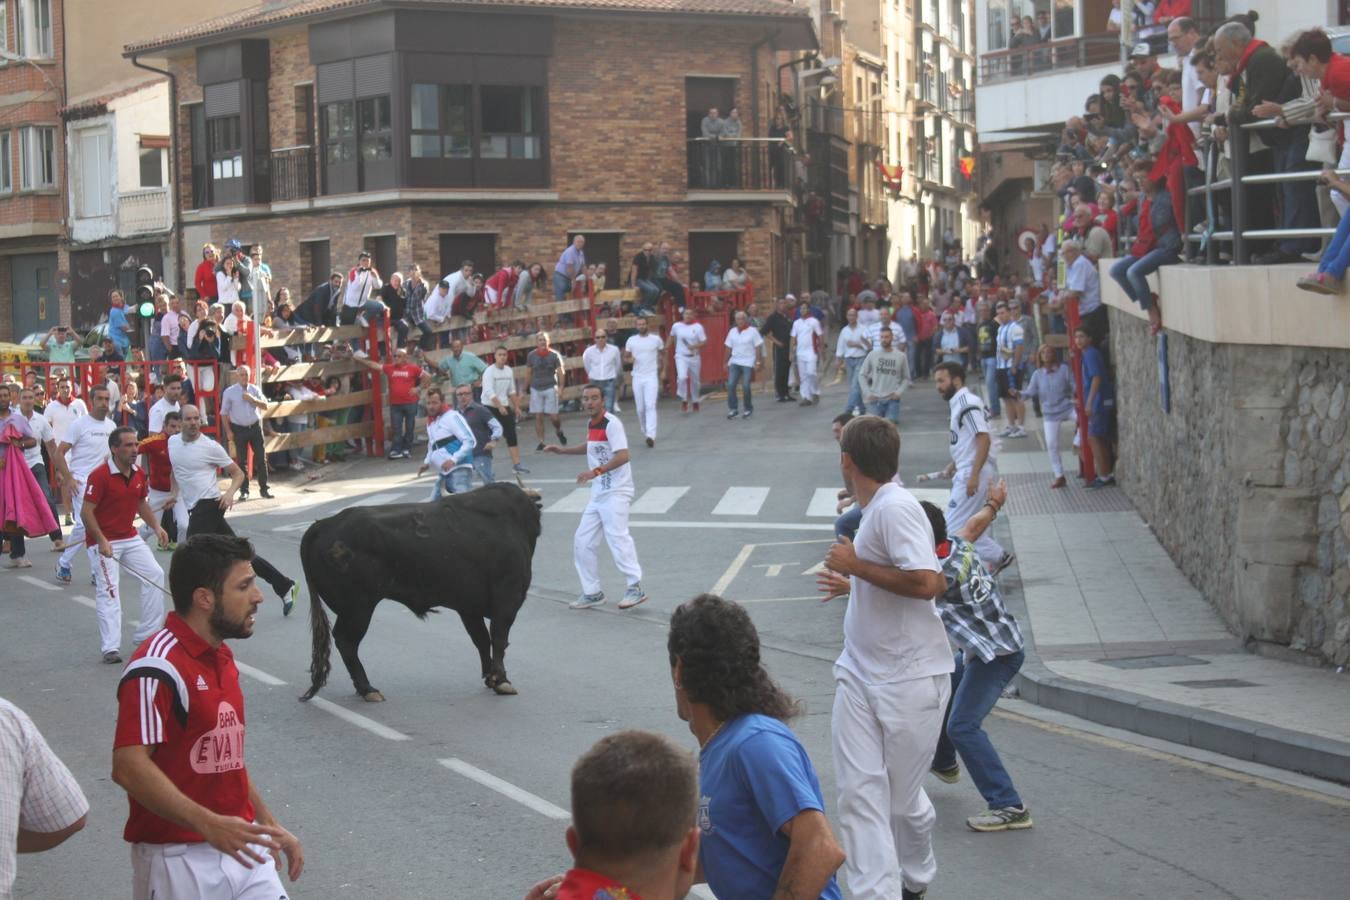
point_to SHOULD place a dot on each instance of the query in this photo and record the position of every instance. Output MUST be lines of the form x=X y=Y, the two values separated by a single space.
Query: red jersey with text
x=403 y=382
x=604 y=438
x=181 y=696
x=116 y=498
x=156 y=450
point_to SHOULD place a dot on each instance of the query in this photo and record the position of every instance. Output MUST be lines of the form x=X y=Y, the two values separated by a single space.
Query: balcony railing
x=293 y=173
x=1034 y=59
x=144 y=211
x=740 y=164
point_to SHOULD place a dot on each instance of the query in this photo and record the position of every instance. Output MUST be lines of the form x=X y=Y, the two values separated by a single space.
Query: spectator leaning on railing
x=1313 y=58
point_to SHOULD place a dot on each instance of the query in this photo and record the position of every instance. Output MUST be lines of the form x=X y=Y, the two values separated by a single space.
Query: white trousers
x=809 y=382
x=137 y=556
x=159 y=501
x=960 y=508
x=687 y=372
x=645 y=391
x=607 y=513
x=1052 y=446
x=883 y=737
x=74 y=540
x=200 y=872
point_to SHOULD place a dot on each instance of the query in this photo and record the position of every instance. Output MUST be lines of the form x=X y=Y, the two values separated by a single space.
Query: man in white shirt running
x=500 y=394
x=893 y=678
x=170 y=402
x=806 y=334
x=603 y=366
x=84 y=447
x=610 y=476
x=851 y=349
x=645 y=351
x=450 y=444
x=743 y=360
x=972 y=468
x=689 y=338
x=196 y=461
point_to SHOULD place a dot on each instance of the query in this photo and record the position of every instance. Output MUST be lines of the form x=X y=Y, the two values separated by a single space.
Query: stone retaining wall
x=1247 y=481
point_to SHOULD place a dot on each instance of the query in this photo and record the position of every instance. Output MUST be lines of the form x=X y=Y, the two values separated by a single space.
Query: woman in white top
x=734 y=277
x=227 y=282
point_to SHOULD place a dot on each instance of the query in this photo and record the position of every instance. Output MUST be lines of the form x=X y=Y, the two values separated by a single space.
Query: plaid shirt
x=972 y=609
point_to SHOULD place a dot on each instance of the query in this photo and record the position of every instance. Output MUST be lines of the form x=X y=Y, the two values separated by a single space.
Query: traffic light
x=145 y=291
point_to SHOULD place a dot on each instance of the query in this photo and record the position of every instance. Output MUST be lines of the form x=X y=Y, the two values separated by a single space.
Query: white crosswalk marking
x=936 y=496
x=823 y=502
x=741 y=501
x=574 y=502
x=658 y=499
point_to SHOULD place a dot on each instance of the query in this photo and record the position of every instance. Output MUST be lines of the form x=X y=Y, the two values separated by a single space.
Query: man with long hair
x=756 y=783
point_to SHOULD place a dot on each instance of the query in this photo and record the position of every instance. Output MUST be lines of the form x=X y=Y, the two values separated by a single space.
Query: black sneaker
x=112 y=657
x=562 y=439
x=266 y=494
x=733 y=414
x=1007 y=559
x=907 y=894
x=540 y=448
x=651 y=442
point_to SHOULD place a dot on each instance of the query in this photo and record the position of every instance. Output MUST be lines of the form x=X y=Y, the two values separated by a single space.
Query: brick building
x=482 y=130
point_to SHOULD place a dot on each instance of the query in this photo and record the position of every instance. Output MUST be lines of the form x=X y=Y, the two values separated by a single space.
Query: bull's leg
x=348 y=631
x=478 y=633
x=501 y=630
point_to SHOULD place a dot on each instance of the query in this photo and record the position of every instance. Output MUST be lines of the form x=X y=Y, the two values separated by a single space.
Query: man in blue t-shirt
x=119 y=329
x=759 y=796
x=1100 y=398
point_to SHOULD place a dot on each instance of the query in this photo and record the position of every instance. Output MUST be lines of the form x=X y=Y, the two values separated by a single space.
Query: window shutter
x=335 y=81
x=221 y=99
x=374 y=75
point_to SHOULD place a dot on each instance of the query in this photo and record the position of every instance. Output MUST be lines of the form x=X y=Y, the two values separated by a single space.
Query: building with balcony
x=466 y=130
x=919 y=116
x=32 y=165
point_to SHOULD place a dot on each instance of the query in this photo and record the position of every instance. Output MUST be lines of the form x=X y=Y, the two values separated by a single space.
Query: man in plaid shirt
x=990 y=643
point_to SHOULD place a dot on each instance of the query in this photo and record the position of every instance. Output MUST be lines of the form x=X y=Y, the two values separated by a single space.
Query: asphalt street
x=449 y=791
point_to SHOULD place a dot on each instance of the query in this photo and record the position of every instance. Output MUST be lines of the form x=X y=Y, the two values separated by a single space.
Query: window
x=38 y=144
x=6 y=163
x=33 y=28
x=339 y=132
x=225 y=145
x=510 y=120
x=152 y=168
x=93 y=173
x=376 y=130
x=440 y=121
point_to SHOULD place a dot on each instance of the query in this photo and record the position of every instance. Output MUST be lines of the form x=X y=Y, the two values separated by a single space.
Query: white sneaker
x=633 y=596
x=587 y=601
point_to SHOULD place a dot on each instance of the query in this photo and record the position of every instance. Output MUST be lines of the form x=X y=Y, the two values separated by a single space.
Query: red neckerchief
x=1242 y=63
x=431 y=419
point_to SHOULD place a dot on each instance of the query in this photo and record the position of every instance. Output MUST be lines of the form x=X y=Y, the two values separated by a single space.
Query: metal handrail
x=1239 y=143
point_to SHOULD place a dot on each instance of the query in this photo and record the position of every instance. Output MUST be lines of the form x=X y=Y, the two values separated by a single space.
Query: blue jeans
x=975 y=689
x=1336 y=258
x=482 y=465
x=847 y=524
x=1132 y=273
x=402 y=423
x=739 y=375
x=991 y=384
x=607 y=388
x=887 y=409
x=562 y=286
x=456 y=481
x=1298 y=199
x=650 y=291
x=853 y=365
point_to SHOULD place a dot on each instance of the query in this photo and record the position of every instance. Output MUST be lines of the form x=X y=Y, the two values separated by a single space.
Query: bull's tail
x=320 y=632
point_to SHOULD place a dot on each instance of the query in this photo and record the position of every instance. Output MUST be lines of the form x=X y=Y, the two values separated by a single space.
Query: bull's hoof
x=373 y=697
x=505 y=688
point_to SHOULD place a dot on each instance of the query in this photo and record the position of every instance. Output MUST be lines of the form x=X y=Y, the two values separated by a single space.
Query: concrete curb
x=1204 y=729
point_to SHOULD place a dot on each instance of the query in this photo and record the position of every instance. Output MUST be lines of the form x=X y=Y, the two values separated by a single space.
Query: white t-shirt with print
x=686 y=333
x=967 y=422
x=604 y=438
x=88 y=439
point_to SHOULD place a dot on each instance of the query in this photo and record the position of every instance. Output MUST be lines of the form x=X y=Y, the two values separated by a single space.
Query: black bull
x=467 y=552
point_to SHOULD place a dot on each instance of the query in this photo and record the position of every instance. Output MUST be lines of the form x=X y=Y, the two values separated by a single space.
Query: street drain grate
x=1163 y=661
x=1217 y=683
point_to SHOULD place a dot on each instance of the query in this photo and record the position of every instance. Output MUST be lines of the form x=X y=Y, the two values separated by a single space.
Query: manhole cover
x=1217 y=683
x=1163 y=661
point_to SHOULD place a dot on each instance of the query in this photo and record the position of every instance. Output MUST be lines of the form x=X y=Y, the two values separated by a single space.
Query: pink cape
x=23 y=507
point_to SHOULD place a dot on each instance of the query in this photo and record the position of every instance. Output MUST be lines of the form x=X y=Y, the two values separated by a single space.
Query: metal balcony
x=144 y=212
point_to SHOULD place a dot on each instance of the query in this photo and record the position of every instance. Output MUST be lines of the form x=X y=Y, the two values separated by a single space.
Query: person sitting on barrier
x=1158 y=244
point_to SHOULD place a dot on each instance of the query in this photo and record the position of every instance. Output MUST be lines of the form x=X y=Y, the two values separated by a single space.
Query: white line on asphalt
x=773 y=599
x=658 y=499
x=84 y=601
x=39 y=583
x=733 y=570
x=823 y=502
x=377 y=499
x=359 y=720
x=936 y=496
x=258 y=674
x=737 y=526
x=506 y=789
x=531 y=482
x=574 y=502
x=741 y=501
x=294 y=526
